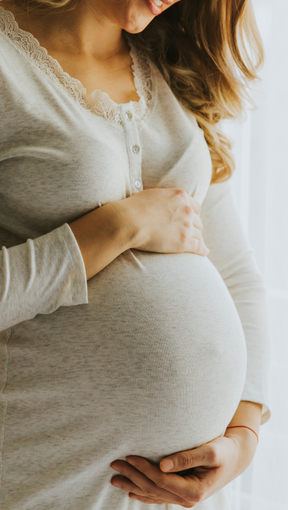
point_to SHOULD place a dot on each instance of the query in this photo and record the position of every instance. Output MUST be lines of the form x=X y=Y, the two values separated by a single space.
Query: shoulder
x=12 y=78
x=11 y=61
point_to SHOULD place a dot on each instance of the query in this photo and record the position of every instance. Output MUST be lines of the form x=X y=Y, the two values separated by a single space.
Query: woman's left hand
x=212 y=466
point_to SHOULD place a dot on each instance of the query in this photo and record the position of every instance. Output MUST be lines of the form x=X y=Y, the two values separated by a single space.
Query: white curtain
x=261 y=188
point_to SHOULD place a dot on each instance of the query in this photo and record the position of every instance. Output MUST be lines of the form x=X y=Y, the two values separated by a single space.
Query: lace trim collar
x=97 y=102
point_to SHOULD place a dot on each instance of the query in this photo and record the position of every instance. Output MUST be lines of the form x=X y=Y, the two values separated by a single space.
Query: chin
x=135 y=17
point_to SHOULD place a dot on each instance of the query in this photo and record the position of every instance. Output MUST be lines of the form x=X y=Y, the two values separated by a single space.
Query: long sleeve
x=233 y=256
x=41 y=275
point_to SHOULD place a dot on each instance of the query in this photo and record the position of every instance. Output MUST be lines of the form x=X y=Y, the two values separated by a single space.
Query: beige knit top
x=153 y=354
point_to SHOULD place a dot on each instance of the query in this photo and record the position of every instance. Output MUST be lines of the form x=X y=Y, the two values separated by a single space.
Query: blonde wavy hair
x=208 y=51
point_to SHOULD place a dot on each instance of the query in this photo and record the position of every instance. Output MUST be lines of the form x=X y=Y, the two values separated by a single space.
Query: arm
x=51 y=271
x=220 y=461
x=210 y=466
x=249 y=414
x=233 y=256
x=43 y=274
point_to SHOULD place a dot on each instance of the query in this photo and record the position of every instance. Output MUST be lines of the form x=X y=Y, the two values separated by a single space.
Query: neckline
x=97 y=102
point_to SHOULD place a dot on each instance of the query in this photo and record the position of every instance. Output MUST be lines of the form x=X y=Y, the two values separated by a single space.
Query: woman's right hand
x=157 y=220
x=165 y=220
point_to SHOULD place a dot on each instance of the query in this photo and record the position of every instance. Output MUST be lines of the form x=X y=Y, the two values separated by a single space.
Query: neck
x=87 y=30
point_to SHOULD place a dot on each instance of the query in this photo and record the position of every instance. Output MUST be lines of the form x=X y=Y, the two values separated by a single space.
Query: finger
x=147 y=486
x=125 y=484
x=197 y=222
x=197 y=234
x=195 y=205
x=187 y=488
x=197 y=247
x=204 y=456
x=144 y=499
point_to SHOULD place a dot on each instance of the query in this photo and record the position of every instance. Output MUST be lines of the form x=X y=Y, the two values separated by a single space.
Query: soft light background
x=261 y=189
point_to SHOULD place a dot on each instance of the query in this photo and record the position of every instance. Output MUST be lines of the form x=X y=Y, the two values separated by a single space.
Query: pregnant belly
x=170 y=349
x=155 y=363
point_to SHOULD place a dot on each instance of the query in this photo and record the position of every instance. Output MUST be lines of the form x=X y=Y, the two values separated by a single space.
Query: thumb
x=203 y=456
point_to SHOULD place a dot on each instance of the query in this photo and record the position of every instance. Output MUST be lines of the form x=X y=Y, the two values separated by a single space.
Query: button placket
x=133 y=146
x=128 y=115
x=136 y=149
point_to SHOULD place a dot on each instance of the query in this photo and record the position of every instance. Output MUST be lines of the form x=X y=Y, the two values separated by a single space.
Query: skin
x=215 y=464
x=88 y=42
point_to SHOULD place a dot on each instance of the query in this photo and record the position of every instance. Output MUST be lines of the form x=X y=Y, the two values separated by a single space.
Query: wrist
x=244 y=427
x=248 y=414
x=128 y=223
x=124 y=223
x=102 y=235
x=246 y=445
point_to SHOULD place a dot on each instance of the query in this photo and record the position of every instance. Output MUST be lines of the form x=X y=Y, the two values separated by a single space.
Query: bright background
x=261 y=188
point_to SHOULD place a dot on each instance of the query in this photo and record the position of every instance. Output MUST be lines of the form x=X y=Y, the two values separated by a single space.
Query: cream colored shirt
x=153 y=354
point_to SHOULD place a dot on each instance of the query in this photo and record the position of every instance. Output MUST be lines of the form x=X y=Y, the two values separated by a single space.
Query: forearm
x=248 y=414
x=102 y=235
x=232 y=255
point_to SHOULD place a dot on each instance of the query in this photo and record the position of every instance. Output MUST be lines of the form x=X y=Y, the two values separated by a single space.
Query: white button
x=135 y=149
x=138 y=184
x=128 y=115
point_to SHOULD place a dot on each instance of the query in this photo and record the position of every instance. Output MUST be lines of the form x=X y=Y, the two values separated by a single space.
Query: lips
x=154 y=9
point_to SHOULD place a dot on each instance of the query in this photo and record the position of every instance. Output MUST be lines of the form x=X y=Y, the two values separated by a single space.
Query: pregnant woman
x=123 y=338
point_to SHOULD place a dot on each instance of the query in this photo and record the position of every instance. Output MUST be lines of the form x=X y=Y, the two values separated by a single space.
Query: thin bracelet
x=244 y=426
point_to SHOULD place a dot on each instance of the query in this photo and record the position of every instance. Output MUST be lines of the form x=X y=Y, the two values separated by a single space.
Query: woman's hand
x=165 y=220
x=212 y=466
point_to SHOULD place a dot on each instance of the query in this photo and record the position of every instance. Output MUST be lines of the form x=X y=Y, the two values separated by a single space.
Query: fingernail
x=117 y=469
x=167 y=465
x=117 y=484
